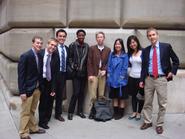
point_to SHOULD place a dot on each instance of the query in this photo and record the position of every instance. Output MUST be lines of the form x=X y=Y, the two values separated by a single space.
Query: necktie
x=37 y=61
x=48 y=68
x=154 y=63
x=63 y=63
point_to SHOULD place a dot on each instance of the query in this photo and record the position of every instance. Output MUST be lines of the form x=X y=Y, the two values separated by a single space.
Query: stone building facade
x=20 y=20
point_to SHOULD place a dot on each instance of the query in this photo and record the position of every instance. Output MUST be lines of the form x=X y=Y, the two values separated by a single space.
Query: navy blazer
x=28 y=73
x=166 y=55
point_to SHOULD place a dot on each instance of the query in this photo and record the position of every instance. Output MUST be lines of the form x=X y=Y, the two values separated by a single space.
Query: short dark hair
x=130 y=38
x=122 y=46
x=36 y=37
x=60 y=30
x=80 y=30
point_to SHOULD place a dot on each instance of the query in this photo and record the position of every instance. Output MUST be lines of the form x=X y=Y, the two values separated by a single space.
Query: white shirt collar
x=101 y=47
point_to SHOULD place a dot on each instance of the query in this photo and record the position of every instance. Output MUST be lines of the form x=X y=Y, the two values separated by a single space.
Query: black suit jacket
x=28 y=73
x=166 y=55
x=53 y=69
x=57 y=64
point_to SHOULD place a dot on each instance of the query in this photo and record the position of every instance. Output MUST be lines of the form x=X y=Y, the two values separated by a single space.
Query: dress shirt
x=101 y=49
x=160 y=72
x=46 y=54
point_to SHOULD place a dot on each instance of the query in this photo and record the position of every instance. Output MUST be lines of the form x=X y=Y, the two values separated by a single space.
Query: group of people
x=42 y=75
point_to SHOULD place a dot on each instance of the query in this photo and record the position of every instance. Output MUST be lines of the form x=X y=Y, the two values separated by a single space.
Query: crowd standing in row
x=42 y=74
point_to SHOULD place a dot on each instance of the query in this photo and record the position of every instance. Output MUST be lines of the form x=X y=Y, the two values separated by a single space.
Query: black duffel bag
x=102 y=109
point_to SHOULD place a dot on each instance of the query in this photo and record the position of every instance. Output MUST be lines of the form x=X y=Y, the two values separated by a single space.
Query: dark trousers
x=46 y=103
x=60 y=85
x=137 y=105
x=133 y=84
x=78 y=95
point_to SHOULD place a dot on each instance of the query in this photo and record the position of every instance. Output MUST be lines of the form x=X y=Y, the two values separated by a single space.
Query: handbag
x=140 y=94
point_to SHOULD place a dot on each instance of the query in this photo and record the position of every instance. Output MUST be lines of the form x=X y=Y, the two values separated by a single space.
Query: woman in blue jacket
x=117 y=78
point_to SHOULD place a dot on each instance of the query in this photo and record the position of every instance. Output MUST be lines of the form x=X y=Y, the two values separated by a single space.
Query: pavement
x=78 y=128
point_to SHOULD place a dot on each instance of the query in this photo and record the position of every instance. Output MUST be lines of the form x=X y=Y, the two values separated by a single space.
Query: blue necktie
x=48 y=68
x=63 y=61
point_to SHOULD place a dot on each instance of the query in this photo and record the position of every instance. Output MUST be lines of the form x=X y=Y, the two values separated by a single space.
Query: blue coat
x=117 y=70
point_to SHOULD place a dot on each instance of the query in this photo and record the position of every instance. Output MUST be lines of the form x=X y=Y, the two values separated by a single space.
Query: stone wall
x=20 y=20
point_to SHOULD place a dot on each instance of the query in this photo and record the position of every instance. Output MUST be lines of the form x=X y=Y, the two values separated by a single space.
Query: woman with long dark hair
x=135 y=62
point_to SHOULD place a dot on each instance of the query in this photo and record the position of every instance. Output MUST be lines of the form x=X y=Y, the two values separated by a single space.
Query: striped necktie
x=63 y=60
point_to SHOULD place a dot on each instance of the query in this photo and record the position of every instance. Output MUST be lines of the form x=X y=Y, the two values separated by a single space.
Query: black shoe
x=92 y=113
x=60 y=118
x=70 y=116
x=81 y=115
x=28 y=137
x=45 y=126
x=39 y=131
x=91 y=116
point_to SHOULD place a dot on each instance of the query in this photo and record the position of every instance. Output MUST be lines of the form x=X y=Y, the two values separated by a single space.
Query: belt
x=159 y=76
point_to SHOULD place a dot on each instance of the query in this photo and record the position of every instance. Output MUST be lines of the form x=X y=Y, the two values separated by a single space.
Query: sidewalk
x=7 y=126
x=129 y=129
x=88 y=129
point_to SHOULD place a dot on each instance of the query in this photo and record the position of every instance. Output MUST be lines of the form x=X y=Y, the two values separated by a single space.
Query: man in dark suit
x=48 y=82
x=29 y=81
x=61 y=72
x=156 y=71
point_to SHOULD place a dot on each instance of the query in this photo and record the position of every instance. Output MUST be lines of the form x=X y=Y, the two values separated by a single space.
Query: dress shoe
x=81 y=115
x=60 y=118
x=159 y=129
x=70 y=116
x=91 y=116
x=28 y=137
x=39 y=131
x=45 y=126
x=145 y=126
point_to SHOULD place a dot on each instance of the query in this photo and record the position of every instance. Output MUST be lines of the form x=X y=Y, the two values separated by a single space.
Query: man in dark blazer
x=61 y=72
x=156 y=71
x=48 y=83
x=29 y=81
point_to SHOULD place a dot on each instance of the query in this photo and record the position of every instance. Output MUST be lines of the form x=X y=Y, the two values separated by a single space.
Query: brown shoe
x=39 y=131
x=159 y=129
x=28 y=137
x=145 y=126
x=60 y=118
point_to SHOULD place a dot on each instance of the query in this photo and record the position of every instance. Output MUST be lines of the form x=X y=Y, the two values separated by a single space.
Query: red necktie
x=154 y=63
